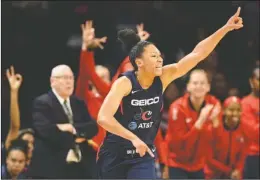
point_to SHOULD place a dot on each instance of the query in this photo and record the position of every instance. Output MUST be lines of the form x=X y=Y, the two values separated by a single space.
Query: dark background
x=35 y=36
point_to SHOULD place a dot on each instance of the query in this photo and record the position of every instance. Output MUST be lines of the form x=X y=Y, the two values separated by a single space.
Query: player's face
x=15 y=162
x=232 y=113
x=30 y=139
x=103 y=73
x=64 y=83
x=198 y=85
x=152 y=61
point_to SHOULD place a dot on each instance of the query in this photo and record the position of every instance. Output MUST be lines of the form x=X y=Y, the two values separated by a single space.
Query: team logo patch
x=144 y=115
x=132 y=125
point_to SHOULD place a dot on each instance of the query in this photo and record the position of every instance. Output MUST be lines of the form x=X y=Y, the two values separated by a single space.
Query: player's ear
x=139 y=62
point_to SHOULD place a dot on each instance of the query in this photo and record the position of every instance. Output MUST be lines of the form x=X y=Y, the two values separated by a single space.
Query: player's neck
x=144 y=80
x=196 y=102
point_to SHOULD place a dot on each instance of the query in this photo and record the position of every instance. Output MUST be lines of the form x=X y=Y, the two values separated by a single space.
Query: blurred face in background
x=232 y=114
x=15 y=162
x=30 y=139
x=220 y=86
x=103 y=72
x=254 y=82
x=198 y=85
x=62 y=80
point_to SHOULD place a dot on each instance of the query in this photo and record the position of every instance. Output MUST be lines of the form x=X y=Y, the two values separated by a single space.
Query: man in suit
x=62 y=127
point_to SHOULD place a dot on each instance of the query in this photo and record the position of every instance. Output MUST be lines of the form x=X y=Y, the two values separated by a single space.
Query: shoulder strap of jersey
x=158 y=83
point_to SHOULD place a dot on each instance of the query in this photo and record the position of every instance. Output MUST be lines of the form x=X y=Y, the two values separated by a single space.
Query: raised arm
x=106 y=119
x=15 y=81
x=200 y=52
x=87 y=61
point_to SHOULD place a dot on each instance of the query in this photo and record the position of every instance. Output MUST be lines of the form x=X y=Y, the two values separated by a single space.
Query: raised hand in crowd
x=15 y=80
x=88 y=36
x=144 y=35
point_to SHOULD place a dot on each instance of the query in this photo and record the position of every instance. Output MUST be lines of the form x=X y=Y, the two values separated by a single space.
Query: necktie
x=76 y=148
x=68 y=112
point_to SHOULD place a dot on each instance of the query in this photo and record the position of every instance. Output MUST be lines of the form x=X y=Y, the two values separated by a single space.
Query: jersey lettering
x=145 y=102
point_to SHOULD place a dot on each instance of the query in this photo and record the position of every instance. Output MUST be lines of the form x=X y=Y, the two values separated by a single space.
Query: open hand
x=88 y=36
x=215 y=112
x=15 y=80
x=235 y=22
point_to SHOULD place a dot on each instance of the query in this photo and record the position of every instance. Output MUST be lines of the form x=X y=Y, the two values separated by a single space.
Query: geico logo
x=145 y=102
x=145 y=125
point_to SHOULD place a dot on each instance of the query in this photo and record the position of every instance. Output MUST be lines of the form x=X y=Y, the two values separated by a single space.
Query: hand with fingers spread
x=97 y=42
x=144 y=35
x=141 y=147
x=88 y=33
x=15 y=80
x=88 y=36
x=235 y=22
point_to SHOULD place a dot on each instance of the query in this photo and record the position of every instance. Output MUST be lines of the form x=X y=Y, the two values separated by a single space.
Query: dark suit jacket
x=51 y=144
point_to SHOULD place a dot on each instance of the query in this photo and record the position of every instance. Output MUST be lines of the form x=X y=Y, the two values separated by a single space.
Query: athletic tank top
x=139 y=111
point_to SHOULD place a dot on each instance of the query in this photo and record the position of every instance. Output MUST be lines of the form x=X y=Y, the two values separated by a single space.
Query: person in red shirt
x=123 y=35
x=88 y=92
x=191 y=119
x=250 y=116
x=229 y=143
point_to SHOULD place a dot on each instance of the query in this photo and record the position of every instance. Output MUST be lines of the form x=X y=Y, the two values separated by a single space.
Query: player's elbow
x=102 y=118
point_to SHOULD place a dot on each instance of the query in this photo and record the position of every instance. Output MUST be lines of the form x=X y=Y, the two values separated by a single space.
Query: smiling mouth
x=235 y=118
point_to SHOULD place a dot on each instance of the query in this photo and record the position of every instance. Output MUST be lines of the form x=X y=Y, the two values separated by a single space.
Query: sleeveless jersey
x=139 y=111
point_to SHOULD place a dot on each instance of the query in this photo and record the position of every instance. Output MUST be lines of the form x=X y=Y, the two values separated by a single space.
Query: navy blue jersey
x=139 y=111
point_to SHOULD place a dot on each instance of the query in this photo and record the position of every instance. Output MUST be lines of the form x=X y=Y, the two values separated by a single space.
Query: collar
x=60 y=99
x=192 y=107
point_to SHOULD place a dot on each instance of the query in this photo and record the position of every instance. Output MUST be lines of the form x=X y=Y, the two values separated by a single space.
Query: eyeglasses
x=65 y=77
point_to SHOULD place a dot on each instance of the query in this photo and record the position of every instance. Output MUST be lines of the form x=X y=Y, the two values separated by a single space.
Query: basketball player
x=134 y=103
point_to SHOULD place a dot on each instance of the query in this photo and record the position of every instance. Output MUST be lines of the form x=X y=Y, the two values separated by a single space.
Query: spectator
x=89 y=40
x=229 y=144
x=62 y=125
x=219 y=86
x=250 y=115
x=188 y=133
x=16 y=160
x=15 y=81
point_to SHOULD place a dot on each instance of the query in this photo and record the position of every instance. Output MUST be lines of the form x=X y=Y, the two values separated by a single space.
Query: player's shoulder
x=122 y=84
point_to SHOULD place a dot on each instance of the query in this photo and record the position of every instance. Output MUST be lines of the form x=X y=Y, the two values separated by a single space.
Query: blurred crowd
x=190 y=144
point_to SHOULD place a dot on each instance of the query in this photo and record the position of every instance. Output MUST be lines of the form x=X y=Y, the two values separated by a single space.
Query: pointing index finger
x=150 y=152
x=238 y=12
